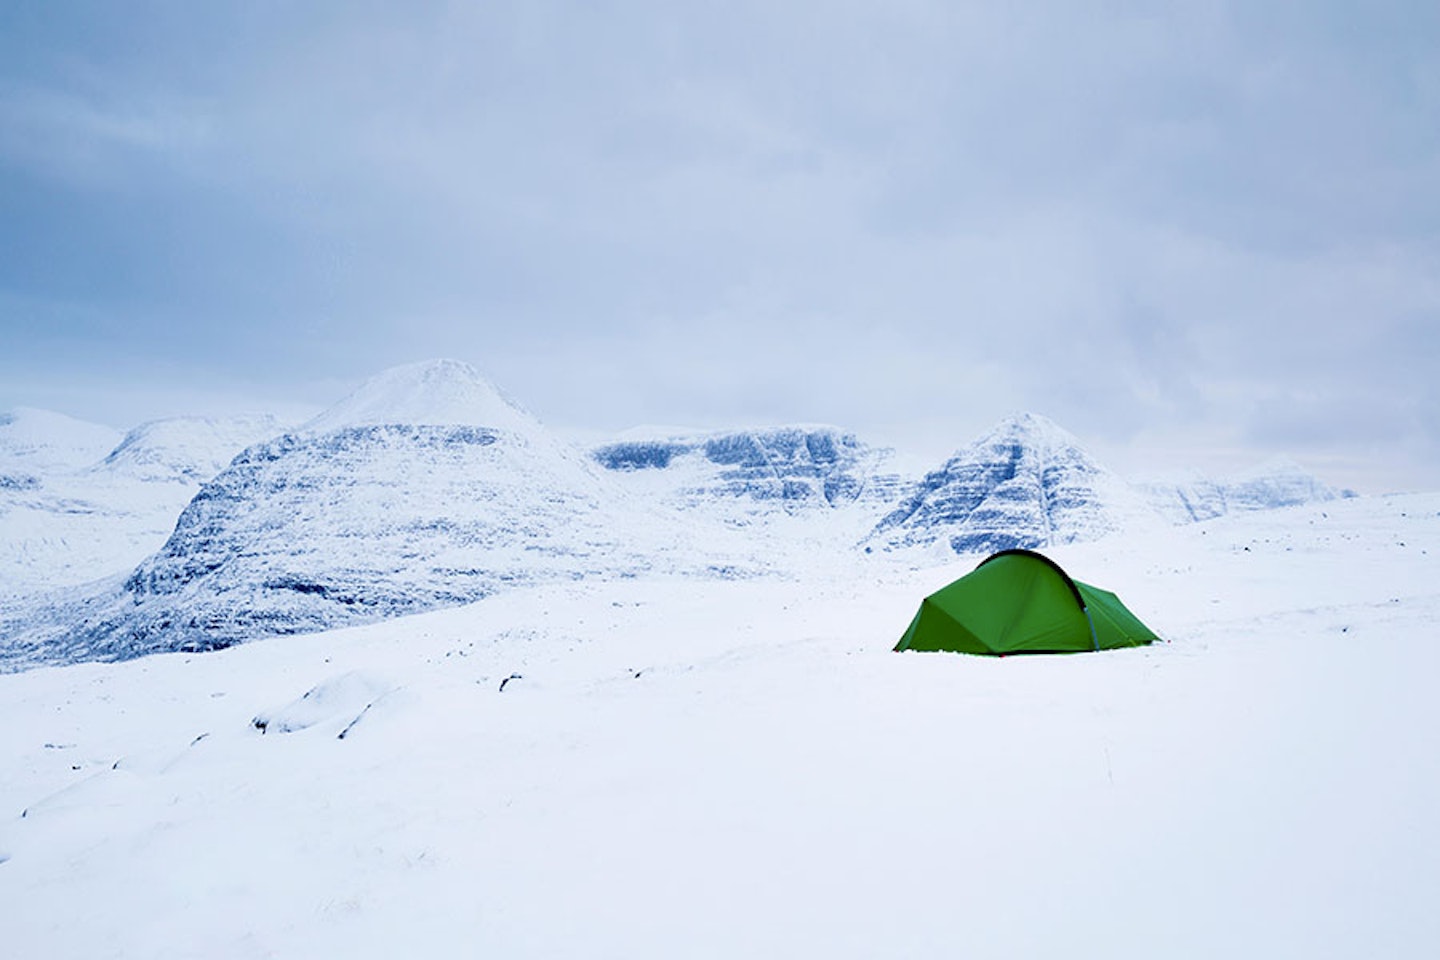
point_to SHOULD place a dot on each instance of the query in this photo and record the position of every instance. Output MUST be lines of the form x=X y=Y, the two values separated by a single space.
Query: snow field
x=721 y=769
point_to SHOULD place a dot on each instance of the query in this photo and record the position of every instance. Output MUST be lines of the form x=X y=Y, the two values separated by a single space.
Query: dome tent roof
x=1019 y=601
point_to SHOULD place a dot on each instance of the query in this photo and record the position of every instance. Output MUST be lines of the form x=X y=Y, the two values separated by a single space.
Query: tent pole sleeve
x=1090 y=620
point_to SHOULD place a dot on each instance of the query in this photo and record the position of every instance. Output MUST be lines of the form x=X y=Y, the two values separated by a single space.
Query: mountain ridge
x=427 y=487
x=316 y=529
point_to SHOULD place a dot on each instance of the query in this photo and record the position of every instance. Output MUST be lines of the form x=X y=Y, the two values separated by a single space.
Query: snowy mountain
x=401 y=498
x=187 y=450
x=1027 y=484
x=1277 y=483
x=748 y=477
x=427 y=487
x=79 y=512
x=35 y=443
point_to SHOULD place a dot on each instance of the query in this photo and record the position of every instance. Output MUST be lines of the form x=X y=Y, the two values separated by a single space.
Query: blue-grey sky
x=1190 y=232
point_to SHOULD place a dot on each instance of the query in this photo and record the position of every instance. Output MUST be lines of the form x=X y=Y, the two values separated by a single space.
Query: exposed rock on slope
x=426 y=487
x=352 y=519
x=1026 y=484
x=361 y=522
x=748 y=475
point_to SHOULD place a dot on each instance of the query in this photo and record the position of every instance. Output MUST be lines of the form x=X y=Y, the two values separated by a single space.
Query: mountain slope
x=35 y=443
x=345 y=522
x=69 y=524
x=186 y=449
x=749 y=477
x=1025 y=484
x=1277 y=483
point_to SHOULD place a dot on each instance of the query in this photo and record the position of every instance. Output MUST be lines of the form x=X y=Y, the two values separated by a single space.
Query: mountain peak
x=1026 y=483
x=1035 y=431
x=429 y=393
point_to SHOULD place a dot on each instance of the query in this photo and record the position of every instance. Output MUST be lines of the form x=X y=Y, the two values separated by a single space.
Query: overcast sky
x=1197 y=232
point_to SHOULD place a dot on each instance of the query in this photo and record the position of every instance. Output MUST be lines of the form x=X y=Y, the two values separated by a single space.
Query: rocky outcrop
x=786 y=469
x=1026 y=484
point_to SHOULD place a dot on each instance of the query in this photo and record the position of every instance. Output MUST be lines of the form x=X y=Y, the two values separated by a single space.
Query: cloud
x=1205 y=219
x=90 y=142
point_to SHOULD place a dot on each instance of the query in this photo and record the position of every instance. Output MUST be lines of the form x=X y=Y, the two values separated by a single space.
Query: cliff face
x=780 y=468
x=1026 y=484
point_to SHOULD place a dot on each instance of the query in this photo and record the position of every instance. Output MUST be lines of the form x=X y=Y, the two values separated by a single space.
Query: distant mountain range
x=369 y=512
x=427 y=487
x=1278 y=483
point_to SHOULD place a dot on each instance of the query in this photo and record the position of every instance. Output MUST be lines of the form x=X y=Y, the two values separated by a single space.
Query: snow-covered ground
x=699 y=768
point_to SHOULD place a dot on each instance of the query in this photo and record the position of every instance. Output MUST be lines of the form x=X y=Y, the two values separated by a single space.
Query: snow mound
x=338 y=702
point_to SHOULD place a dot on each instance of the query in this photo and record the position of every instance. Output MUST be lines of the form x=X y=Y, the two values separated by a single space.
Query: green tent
x=1018 y=601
